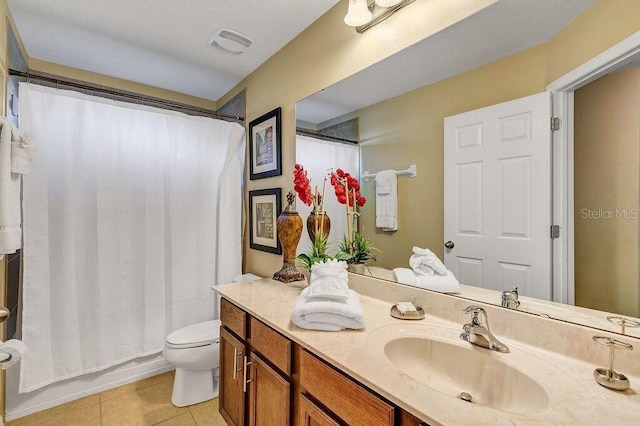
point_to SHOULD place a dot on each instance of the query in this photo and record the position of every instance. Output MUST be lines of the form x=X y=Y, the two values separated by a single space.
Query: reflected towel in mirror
x=387 y=200
x=447 y=283
x=425 y=262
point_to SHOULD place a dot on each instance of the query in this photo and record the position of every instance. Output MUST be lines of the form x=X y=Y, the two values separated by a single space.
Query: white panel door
x=497 y=198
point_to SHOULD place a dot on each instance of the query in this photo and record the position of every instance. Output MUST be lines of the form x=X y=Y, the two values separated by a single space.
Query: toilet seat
x=195 y=335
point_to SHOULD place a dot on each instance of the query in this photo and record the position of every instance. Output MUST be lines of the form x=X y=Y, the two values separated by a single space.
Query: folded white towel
x=387 y=202
x=10 y=221
x=425 y=262
x=442 y=283
x=23 y=152
x=328 y=315
x=329 y=280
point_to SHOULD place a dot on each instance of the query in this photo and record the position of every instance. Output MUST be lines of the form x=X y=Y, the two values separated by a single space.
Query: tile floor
x=147 y=402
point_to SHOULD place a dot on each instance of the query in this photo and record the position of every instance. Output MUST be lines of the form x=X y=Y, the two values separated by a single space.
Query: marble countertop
x=574 y=396
x=570 y=313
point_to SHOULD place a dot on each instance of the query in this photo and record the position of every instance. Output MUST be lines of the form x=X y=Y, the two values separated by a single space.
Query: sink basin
x=454 y=369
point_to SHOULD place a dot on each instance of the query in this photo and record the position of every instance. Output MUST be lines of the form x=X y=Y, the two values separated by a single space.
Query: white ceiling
x=497 y=31
x=162 y=43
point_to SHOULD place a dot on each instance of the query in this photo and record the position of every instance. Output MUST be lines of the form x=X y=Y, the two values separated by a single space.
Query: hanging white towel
x=327 y=314
x=10 y=221
x=387 y=200
x=23 y=152
x=425 y=262
x=442 y=283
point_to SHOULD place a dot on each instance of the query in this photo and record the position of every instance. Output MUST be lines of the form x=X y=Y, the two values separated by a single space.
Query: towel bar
x=412 y=171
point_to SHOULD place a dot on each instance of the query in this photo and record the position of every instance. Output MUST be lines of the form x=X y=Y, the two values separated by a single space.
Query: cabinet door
x=269 y=395
x=309 y=414
x=231 y=402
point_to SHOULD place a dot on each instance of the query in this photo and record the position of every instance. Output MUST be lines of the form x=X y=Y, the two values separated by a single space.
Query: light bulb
x=358 y=13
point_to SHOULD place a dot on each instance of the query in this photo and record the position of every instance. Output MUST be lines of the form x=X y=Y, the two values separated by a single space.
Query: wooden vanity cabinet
x=309 y=414
x=255 y=364
x=269 y=395
x=233 y=350
x=231 y=402
x=265 y=379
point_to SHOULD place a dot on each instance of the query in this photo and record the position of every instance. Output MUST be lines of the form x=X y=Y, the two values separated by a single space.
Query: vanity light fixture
x=364 y=14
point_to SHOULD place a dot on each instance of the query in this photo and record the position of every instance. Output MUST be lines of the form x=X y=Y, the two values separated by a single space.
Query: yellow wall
x=117 y=83
x=325 y=53
x=329 y=51
x=606 y=150
x=409 y=129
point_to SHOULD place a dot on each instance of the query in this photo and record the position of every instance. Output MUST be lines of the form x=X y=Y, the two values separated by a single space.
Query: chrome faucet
x=510 y=299
x=477 y=331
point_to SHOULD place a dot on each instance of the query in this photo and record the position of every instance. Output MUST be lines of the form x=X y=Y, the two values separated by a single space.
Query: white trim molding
x=562 y=89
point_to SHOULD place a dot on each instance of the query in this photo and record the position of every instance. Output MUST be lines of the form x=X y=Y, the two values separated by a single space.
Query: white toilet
x=194 y=350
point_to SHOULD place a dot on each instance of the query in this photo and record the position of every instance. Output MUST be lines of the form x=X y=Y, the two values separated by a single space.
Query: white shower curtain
x=317 y=156
x=131 y=214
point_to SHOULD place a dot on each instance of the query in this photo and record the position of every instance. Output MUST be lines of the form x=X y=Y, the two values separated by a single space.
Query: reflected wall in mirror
x=320 y=150
x=402 y=124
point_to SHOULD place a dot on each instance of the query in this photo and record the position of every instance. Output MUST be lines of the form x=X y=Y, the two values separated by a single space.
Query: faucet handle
x=475 y=311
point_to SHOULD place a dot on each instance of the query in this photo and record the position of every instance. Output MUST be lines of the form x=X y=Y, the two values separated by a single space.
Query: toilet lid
x=200 y=334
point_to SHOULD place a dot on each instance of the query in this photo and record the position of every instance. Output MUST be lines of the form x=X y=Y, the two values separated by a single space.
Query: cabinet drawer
x=345 y=398
x=271 y=345
x=234 y=318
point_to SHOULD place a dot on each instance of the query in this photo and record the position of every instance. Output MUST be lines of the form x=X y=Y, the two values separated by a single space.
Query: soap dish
x=418 y=314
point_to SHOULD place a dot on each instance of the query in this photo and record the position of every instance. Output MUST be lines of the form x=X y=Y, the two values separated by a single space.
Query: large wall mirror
x=399 y=105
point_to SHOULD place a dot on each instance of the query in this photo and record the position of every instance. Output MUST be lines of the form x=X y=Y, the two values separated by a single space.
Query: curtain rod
x=304 y=132
x=114 y=92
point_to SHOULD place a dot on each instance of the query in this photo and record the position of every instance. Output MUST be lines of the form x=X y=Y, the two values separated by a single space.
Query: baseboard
x=20 y=405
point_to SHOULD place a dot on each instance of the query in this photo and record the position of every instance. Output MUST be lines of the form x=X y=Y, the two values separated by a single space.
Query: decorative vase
x=323 y=221
x=289 y=226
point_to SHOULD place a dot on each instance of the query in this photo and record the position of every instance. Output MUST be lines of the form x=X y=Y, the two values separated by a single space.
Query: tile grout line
x=173 y=417
x=100 y=401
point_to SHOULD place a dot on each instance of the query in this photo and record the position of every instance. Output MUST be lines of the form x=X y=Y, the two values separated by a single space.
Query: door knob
x=4 y=314
x=449 y=244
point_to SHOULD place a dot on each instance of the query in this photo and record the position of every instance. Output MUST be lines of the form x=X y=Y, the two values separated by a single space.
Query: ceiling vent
x=230 y=41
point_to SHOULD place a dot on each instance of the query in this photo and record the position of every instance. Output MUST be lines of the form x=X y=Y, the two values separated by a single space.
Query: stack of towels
x=428 y=272
x=328 y=304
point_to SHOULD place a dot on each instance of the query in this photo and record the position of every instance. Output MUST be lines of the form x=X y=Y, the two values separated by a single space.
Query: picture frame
x=265 y=145
x=265 y=206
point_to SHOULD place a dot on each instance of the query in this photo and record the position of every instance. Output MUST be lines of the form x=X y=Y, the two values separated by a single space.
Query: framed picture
x=265 y=146
x=264 y=208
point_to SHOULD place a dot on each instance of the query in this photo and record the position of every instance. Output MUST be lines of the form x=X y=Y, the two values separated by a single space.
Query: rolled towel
x=441 y=283
x=329 y=280
x=326 y=314
x=23 y=152
x=425 y=262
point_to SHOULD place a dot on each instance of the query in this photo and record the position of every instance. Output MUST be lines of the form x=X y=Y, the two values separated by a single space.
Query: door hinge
x=555 y=124
x=555 y=231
